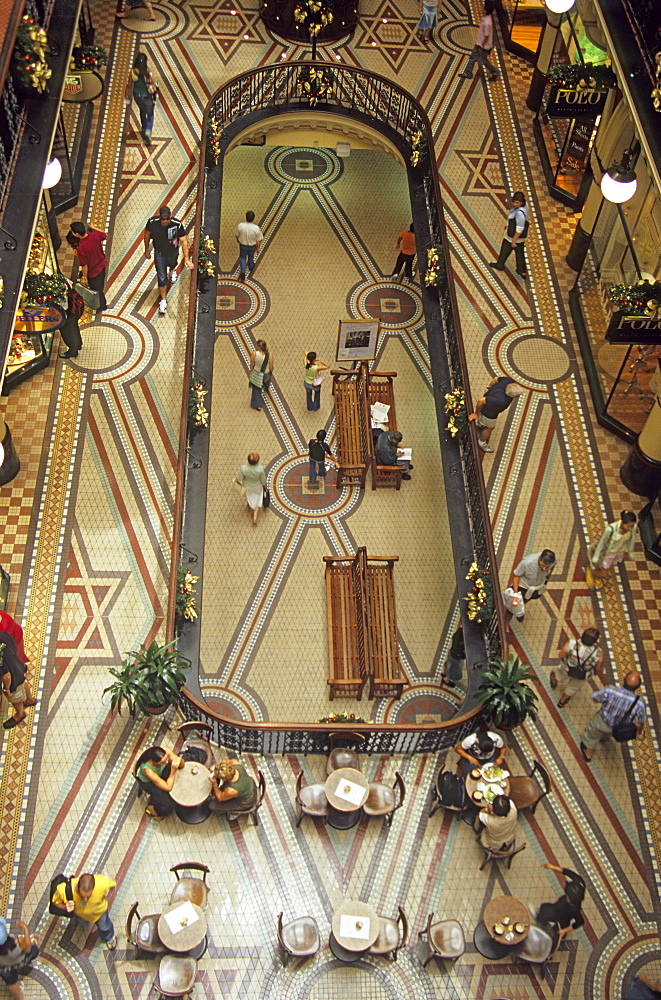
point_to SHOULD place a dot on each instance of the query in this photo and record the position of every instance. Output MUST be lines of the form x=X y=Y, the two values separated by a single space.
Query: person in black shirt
x=453 y=665
x=566 y=911
x=167 y=234
x=318 y=449
x=499 y=394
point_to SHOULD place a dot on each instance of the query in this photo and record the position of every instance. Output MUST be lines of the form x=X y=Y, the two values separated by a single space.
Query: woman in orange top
x=406 y=246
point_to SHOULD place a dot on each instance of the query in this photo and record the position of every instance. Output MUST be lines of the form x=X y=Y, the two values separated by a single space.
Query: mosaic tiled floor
x=87 y=540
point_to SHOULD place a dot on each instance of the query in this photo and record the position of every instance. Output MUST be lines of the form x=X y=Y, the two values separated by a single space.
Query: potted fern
x=148 y=681
x=506 y=694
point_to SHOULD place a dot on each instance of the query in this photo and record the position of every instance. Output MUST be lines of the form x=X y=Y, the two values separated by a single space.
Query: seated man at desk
x=232 y=788
x=387 y=451
x=156 y=771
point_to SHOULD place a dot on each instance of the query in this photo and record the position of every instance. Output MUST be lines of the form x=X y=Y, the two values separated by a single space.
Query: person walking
x=249 y=237
x=313 y=378
x=453 y=667
x=133 y=5
x=498 y=396
x=167 y=234
x=253 y=478
x=615 y=544
x=261 y=370
x=16 y=956
x=530 y=577
x=515 y=236
x=70 y=329
x=317 y=452
x=89 y=903
x=617 y=704
x=9 y=624
x=580 y=658
x=483 y=45
x=92 y=259
x=428 y=18
x=144 y=89
x=406 y=246
x=14 y=685
x=565 y=912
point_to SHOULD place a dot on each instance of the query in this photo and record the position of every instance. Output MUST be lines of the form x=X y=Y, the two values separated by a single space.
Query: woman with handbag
x=313 y=379
x=580 y=660
x=261 y=371
x=16 y=956
x=253 y=478
x=615 y=544
x=143 y=87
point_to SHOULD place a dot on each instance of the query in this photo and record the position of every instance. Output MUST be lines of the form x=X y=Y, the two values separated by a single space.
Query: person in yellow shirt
x=90 y=904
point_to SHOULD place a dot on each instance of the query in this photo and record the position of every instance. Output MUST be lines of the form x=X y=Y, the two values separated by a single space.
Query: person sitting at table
x=156 y=771
x=481 y=748
x=566 y=911
x=232 y=788
x=500 y=823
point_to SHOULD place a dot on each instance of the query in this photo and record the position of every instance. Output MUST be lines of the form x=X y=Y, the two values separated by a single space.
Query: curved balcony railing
x=260 y=94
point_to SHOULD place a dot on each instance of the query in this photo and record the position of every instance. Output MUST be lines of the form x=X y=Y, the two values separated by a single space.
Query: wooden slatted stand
x=380 y=389
x=384 y=666
x=353 y=445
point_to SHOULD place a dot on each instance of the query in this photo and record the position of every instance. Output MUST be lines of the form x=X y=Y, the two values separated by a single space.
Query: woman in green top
x=253 y=477
x=615 y=544
x=231 y=787
x=156 y=770
x=144 y=88
x=312 y=379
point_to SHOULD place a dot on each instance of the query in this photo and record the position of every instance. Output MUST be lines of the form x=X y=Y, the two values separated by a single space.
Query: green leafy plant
x=89 y=56
x=641 y=299
x=586 y=75
x=506 y=694
x=186 y=605
x=150 y=677
x=44 y=287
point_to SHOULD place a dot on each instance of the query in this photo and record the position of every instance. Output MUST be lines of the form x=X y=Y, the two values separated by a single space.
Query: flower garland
x=480 y=599
x=586 y=76
x=656 y=92
x=641 y=299
x=214 y=135
x=198 y=415
x=43 y=288
x=205 y=266
x=419 y=150
x=314 y=15
x=341 y=717
x=455 y=405
x=435 y=272
x=314 y=84
x=29 y=57
x=89 y=57
x=186 y=606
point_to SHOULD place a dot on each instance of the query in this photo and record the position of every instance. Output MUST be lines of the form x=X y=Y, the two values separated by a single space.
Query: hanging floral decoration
x=205 y=265
x=214 y=135
x=455 y=405
x=198 y=415
x=29 y=59
x=435 y=272
x=480 y=598
x=419 y=150
x=342 y=717
x=641 y=299
x=586 y=76
x=656 y=92
x=42 y=288
x=313 y=15
x=314 y=84
x=186 y=605
x=89 y=57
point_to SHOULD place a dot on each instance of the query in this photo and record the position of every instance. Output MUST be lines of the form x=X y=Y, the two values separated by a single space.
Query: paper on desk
x=350 y=792
x=379 y=412
x=405 y=455
x=184 y=912
x=348 y=927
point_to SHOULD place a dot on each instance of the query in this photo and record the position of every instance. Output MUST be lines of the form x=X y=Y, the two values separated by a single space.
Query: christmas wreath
x=29 y=58
x=480 y=598
x=314 y=15
x=198 y=415
x=43 y=288
x=641 y=299
x=455 y=405
x=419 y=150
x=89 y=56
x=214 y=135
x=314 y=84
x=342 y=717
x=435 y=272
x=585 y=75
x=185 y=605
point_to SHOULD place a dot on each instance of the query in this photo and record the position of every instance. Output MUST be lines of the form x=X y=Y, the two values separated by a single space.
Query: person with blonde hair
x=232 y=788
x=253 y=478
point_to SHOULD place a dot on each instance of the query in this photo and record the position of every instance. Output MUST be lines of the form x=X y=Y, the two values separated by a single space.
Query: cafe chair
x=508 y=853
x=142 y=932
x=343 y=752
x=445 y=939
x=538 y=947
x=392 y=936
x=190 y=887
x=384 y=800
x=197 y=735
x=176 y=976
x=437 y=800
x=526 y=792
x=298 y=939
x=310 y=800
x=257 y=804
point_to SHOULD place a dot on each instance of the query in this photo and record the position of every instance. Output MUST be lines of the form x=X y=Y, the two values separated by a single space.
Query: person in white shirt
x=249 y=237
x=483 y=45
x=500 y=823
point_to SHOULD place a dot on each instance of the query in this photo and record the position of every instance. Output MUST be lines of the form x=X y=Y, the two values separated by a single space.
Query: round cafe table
x=507 y=908
x=188 y=937
x=191 y=792
x=472 y=783
x=346 y=947
x=342 y=813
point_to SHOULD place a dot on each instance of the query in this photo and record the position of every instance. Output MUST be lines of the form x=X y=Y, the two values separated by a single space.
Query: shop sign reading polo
x=624 y=329
x=575 y=102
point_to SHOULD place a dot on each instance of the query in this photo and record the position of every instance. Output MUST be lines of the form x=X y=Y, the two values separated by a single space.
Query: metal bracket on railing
x=11 y=243
x=35 y=139
x=199 y=378
x=196 y=461
x=193 y=558
x=454 y=469
x=204 y=308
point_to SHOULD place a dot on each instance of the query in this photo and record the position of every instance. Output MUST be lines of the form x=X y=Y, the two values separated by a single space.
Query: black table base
x=341 y=820
x=344 y=954
x=193 y=814
x=486 y=945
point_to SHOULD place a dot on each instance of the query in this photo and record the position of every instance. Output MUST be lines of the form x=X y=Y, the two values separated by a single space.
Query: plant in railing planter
x=88 y=57
x=342 y=717
x=435 y=273
x=29 y=65
x=586 y=76
x=198 y=415
x=419 y=150
x=149 y=679
x=455 y=406
x=506 y=694
x=214 y=135
x=186 y=605
x=41 y=288
x=314 y=84
x=641 y=299
x=205 y=266
x=656 y=92
x=480 y=598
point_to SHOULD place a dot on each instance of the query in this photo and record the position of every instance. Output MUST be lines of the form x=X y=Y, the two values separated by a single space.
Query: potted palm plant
x=149 y=680
x=506 y=694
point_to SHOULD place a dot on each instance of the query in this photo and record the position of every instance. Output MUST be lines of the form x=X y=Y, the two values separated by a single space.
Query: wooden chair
x=190 y=887
x=176 y=976
x=508 y=853
x=345 y=607
x=380 y=389
x=385 y=800
x=257 y=804
x=445 y=939
x=198 y=735
x=525 y=792
x=310 y=801
x=343 y=753
x=144 y=935
x=298 y=939
x=538 y=947
x=392 y=936
x=436 y=800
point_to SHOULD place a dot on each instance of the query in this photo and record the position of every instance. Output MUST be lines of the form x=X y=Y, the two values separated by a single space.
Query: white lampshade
x=52 y=173
x=559 y=6
x=618 y=187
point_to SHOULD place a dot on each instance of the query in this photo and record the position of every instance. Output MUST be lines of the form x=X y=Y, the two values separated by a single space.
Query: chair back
x=544 y=777
x=349 y=740
x=403 y=923
x=299 y=785
x=193 y=866
x=509 y=853
x=130 y=917
x=261 y=789
x=281 y=940
x=399 y=789
x=201 y=729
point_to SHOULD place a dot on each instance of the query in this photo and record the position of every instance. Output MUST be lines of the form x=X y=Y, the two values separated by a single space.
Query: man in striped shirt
x=615 y=703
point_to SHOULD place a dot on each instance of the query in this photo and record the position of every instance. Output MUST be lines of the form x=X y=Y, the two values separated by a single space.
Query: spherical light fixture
x=559 y=6
x=619 y=182
x=52 y=173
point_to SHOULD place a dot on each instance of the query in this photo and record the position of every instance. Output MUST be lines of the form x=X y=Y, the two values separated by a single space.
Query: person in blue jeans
x=16 y=955
x=318 y=449
x=313 y=379
x=249 y=237
x=143 y=87
x=89 y=903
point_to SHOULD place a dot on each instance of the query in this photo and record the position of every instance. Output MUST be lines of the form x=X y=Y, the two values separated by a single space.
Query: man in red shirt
x=92 y=259
x=406 y=246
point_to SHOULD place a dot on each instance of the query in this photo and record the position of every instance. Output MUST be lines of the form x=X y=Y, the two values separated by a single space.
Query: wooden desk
x=343 y=814
x=347 y=947
x=191 y=792
x=188 y=937
x=512 y=910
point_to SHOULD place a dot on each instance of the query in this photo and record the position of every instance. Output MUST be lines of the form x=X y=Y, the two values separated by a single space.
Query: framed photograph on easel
x=357 y=339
